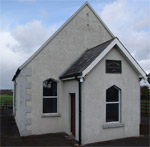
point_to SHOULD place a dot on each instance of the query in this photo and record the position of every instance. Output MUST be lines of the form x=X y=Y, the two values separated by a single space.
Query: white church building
x=81 y=81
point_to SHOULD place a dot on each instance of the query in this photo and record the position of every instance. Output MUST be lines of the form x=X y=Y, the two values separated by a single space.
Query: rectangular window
x=112 y=112
x=50 y=96
x=113 y=66
x=50 y=105
x=113 y=104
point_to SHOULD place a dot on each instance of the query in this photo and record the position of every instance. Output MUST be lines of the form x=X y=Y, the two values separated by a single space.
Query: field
x=6 y=100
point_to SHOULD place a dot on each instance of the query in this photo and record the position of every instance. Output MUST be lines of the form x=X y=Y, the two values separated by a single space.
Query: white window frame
x=51 y=114
x=118 y=102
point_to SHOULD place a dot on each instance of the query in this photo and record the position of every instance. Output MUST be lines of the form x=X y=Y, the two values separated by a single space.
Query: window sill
x=113 y=125
x=50 y=115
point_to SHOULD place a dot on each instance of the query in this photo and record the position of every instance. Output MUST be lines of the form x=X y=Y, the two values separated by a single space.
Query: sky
x=26 y=24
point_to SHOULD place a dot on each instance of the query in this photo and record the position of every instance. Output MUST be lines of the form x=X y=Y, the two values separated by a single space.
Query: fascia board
x=123 y=50
x=66 y=79
x=131 y=60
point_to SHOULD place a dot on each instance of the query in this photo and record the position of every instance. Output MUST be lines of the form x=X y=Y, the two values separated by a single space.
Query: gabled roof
x=58 y=31
x=85 y=60
x=90 y=58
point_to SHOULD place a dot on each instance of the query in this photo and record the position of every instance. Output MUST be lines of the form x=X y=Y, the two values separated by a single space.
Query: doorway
x=73 y=114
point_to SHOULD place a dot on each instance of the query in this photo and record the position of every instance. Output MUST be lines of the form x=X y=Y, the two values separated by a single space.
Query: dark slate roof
x=85 y=60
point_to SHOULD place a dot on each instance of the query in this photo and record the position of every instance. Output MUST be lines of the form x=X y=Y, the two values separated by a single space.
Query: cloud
x=130 y=23
x=9 y=60
x=128 y=20
x=31 y=35
x=142 y=24
x=145 y=64
x=19 y=45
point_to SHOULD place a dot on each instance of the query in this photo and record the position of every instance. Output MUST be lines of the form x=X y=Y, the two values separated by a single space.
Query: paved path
x=10 y=136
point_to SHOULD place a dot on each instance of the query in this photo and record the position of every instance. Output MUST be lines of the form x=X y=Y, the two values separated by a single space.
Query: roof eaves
x=71 y=76
x=131 y=59
x=16 y=74
x=68 y=73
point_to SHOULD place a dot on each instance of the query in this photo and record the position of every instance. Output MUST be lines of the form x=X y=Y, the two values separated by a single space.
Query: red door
x=73 y=114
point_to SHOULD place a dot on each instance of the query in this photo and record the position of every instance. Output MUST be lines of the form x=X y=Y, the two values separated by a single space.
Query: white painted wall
x=94 y=107
x=71 y=87
x=53 y=60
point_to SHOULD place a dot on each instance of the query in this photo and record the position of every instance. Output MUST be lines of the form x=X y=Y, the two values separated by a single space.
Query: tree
x=145 y=90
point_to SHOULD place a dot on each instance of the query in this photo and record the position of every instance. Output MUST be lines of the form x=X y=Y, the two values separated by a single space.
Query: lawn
x=6 y=98
x=6 y=101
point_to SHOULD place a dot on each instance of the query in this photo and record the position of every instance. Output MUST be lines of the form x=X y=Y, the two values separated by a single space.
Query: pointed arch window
x=50 y=96
x=113 y=95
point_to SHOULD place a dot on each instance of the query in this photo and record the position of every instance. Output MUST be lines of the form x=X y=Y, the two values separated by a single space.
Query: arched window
x=113 y=95
x=50 y=96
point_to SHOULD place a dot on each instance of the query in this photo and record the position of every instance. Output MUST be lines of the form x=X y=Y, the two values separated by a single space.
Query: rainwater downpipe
x=80 y=110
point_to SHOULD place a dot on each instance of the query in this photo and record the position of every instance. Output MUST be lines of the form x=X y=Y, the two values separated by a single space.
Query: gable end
x=77 y=70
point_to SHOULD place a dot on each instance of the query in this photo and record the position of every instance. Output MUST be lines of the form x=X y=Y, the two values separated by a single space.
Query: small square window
x=113 y=66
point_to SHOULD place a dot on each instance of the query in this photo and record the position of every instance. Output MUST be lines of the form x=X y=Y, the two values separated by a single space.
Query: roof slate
x=85 y=60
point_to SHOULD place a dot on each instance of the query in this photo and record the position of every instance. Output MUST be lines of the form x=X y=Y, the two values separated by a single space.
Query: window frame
x=118 y=102
x=49 y=97
x=111 y=60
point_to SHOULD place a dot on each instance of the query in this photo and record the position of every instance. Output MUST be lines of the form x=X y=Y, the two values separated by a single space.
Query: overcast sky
x=26 y=24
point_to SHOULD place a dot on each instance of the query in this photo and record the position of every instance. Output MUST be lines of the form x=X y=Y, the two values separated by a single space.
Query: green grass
x=6 y=98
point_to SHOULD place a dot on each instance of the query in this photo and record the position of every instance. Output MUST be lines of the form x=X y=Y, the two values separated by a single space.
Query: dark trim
x=140 y=79
x=16 y=74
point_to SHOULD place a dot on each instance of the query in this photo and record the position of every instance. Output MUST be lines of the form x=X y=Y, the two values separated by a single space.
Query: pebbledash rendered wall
x=71 y=86
x=21 y=98
x=82 y=32
x=94 y=102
